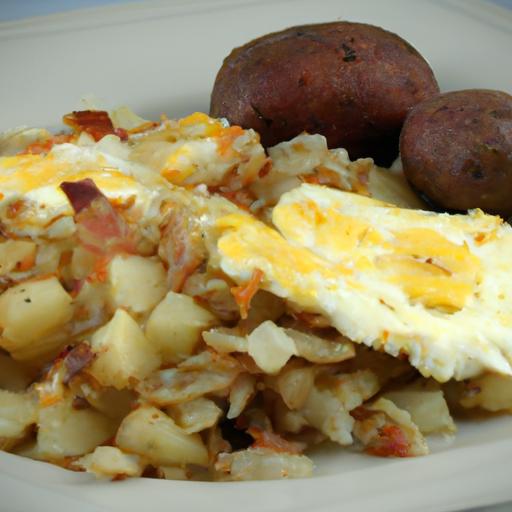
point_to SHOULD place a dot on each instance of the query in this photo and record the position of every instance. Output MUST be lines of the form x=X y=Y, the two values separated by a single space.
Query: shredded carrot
x=243 y=294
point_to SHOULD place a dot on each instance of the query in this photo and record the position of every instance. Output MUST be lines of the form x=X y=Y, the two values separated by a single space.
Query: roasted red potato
x=353 y=83
x=457 y=150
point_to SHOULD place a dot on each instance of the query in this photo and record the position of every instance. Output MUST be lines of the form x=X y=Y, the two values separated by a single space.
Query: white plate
x=162 y=57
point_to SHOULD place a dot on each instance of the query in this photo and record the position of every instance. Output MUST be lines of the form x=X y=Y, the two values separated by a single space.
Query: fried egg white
x=435 y=287
x=31 y=200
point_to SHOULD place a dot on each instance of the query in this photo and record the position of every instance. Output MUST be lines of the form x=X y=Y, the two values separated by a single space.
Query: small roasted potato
x=456 y=150
x=351 y=82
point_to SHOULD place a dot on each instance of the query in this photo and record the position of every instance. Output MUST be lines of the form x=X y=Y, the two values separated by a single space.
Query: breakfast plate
x=162 y=57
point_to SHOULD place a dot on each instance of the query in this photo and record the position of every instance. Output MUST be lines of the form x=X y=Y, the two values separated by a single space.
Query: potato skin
x=456 y=150
x=352 y=82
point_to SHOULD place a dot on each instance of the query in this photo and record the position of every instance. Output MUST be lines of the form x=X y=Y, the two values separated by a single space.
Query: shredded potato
x=262 y=464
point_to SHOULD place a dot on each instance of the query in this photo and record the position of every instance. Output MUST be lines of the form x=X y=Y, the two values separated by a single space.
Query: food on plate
x=456 y=150
x=351 y=82
x=178 y=303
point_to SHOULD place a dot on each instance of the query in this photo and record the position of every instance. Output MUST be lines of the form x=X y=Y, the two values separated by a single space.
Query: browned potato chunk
x=457 y=150
x=353 y=83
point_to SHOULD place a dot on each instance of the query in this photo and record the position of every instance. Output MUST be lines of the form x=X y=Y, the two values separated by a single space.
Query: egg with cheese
x=201 y=150
x=436 y=288
x=32 y=203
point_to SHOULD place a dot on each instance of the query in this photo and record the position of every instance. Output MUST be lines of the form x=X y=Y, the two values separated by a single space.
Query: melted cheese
x=30 y=184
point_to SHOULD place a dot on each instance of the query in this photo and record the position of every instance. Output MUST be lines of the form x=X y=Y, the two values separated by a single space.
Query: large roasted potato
x=353 y=83
x=457 y=150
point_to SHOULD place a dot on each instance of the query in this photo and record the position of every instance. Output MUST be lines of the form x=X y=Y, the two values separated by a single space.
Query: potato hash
x=178 y=303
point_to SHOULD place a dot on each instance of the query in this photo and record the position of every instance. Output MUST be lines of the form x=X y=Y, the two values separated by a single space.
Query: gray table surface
x=18 y=9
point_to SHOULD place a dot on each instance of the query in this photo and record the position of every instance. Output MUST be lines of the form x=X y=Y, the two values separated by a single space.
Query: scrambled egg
x=434 y=287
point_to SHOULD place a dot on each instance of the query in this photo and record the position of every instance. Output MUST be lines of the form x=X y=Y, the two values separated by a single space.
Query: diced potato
x=123 y=354
x=37 y=354
x=16 y=255
x=17 y=412
x=149 y=432
x=136 y=283
x=428 y=409
x=491 y=392
x=195 y=415
x=262 y=464
x=241 y=392
x=13 y=375
x=175 y=326
x=64 y=431
x=225 y=340
x=110 y=462
x=294 y=385
x=270 y=347
x=31 y=311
